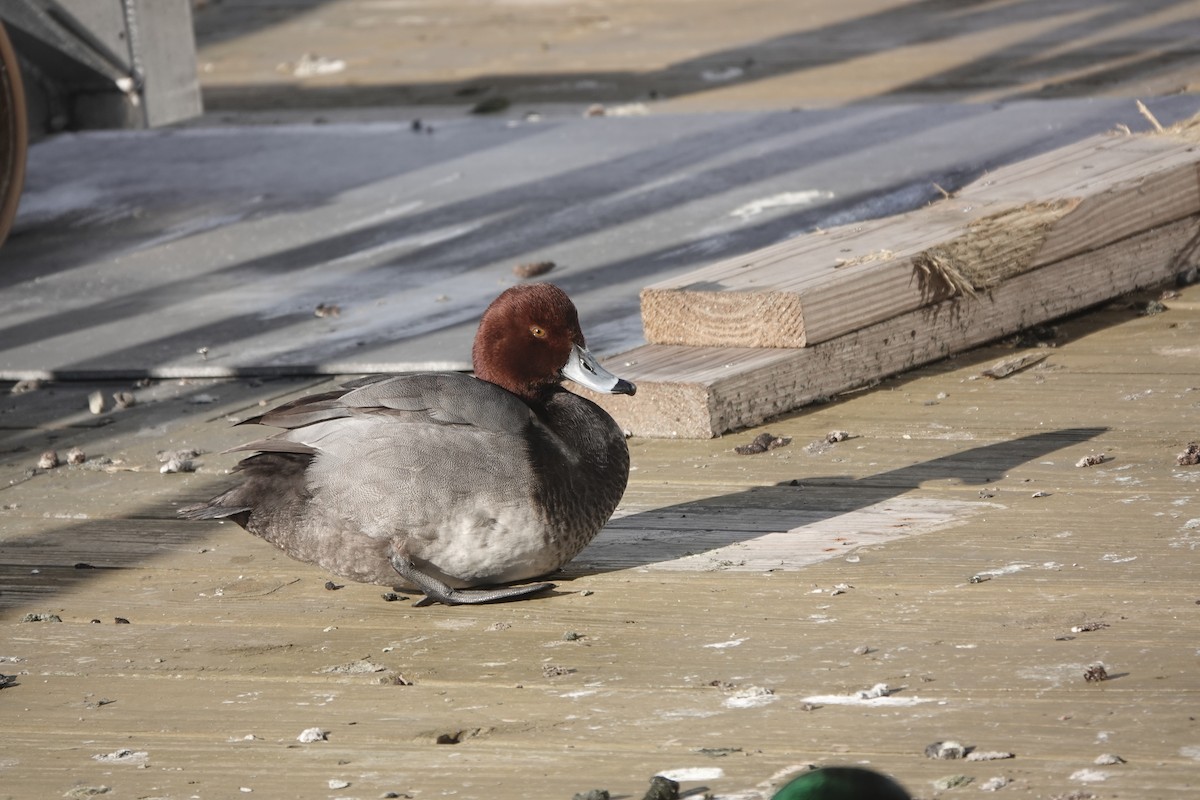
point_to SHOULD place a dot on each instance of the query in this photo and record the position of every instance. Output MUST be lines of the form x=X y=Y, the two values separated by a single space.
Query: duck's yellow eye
x=538 y=331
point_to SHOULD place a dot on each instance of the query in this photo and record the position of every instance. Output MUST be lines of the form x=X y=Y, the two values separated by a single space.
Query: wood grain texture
x=1029 y=215
x=736 y=388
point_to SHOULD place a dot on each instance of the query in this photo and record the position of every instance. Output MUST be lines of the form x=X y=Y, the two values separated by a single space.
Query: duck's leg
x=439 y=592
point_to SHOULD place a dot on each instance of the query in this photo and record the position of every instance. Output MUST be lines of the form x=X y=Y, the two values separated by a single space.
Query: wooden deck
x=719 y=628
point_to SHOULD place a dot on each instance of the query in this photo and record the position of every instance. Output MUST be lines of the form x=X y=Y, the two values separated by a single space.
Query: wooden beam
x=815 y=288
x=700 y=392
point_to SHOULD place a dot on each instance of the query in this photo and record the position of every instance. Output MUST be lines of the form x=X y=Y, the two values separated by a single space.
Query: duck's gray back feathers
x=459 y=475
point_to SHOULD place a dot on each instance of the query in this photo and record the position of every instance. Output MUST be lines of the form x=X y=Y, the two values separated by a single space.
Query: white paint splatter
x=1177 y=351
x=693 y=774
x=782 y=200
x=1117 y=559
x=627 y=110
x=311 y=64
x=1006 y=570
x=1089 y=775
x=723 y=645
x=855 y=700
x=722 y=75
x=1189 y=538
x=751 y=697
x=1190 y=751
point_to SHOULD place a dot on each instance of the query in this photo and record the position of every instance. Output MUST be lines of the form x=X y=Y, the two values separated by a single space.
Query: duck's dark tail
x=213 y=509
x=272 y=484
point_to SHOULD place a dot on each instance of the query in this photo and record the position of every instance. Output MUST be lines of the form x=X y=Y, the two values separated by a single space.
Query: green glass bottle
x=842 y=783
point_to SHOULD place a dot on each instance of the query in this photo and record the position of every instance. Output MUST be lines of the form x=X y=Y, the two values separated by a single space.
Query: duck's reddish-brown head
x=529 y=339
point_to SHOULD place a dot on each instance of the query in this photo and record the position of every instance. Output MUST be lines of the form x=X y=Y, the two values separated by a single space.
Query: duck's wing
x=437 y=399
x=410 y=453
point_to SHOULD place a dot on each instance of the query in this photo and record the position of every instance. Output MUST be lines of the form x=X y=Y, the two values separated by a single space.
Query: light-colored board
x=816 y=287
x=703 y=392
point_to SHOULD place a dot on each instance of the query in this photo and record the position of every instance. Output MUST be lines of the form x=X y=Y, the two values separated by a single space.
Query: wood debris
x=533 y=269
x=592 y=794
x=1007 y=366
x=761 y=444
x=310 y=735
x=662 y=788
x=96 y=402
x=177 y=460
x=883 y=690
x=952 y=782
x=946 y=750
x=877 y=255
x=1153 y=120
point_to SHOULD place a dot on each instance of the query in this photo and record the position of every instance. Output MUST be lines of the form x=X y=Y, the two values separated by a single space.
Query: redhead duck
x=444 y=480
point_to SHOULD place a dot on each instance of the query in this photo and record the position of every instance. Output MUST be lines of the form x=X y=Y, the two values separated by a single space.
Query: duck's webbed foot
x=437 y=592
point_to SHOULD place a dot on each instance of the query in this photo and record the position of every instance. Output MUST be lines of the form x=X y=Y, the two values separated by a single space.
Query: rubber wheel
x=14 y=141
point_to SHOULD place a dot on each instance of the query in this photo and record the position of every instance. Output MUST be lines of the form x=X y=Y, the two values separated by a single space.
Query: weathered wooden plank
x=703 y=392
x=817 y=287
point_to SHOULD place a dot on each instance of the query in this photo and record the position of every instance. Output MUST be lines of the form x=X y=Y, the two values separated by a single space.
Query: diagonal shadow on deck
x=812 y=518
